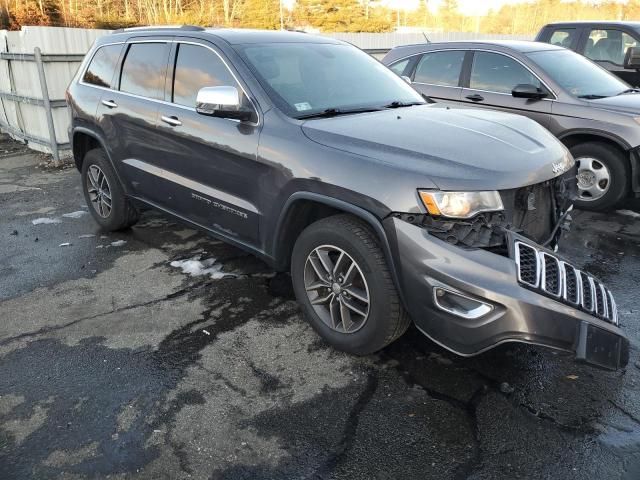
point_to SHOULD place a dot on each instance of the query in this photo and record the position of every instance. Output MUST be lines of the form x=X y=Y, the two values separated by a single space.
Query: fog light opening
x=458 y=304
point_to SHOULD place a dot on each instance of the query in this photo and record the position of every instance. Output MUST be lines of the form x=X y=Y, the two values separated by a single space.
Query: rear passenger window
x=102 y=66
x=440 y=68
x=144 y=70
x=197 y=67
x=563 y=37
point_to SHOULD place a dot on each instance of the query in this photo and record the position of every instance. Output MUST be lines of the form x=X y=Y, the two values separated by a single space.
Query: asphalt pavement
x=118 y=360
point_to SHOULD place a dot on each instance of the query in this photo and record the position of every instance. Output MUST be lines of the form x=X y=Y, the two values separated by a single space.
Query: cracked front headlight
x=460 y=204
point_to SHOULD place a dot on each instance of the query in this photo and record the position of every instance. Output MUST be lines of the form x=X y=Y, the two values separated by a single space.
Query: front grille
x=551 y=275
x=543 y=272
x=587 y=292
x=571 y=287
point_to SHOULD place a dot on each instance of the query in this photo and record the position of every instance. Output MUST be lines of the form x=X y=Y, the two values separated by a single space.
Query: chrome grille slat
x=543 y=271
x=551 y=275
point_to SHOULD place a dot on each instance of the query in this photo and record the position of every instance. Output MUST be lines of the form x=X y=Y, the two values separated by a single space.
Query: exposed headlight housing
x=460 y=204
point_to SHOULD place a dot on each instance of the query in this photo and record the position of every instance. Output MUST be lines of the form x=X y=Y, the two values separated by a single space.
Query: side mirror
x=406 y=79
x=632 y=58
x=223 y=102
x=526 y=90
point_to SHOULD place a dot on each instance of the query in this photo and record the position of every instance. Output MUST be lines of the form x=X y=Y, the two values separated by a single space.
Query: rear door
x=128 y=113
x=438 y=74
x=207 y=165
x=491 y=79
x=608 y=47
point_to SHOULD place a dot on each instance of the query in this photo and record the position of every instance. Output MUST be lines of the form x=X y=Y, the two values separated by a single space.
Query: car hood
x=455 y=148
x=627 y=103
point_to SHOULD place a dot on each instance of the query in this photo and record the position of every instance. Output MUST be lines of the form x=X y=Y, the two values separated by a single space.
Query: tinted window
x=197 y=67
x=608 y=45
x=143 y=71
x=576 y=74
x=498 y=73
x=563 y=37
x=400 y=67
x=103 y=66
x=440 y=68
x=308 y=78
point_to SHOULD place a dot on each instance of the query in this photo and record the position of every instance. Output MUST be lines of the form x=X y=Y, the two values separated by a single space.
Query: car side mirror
x=632 y=58
x=526 y=90
x=223 y=102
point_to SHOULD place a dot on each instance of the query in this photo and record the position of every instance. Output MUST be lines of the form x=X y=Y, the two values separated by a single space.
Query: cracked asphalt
x=114 y=363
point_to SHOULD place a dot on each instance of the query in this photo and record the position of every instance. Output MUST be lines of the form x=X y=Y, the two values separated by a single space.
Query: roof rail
x=193 y=28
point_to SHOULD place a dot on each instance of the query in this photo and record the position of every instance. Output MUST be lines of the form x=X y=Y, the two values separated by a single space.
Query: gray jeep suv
x=315 y=157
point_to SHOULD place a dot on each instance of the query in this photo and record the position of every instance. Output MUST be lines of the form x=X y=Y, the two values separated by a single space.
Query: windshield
x=308 y=78
x=578 y=75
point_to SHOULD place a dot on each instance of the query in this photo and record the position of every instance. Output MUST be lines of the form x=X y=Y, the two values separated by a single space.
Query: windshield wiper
x=334 y=112
x=399 y=104
x=629 y=90
x=592 y=96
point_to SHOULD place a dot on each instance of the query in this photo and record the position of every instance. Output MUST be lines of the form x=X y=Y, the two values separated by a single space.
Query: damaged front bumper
x=471 y=300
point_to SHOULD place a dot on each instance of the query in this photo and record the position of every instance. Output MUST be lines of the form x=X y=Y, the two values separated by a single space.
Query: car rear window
x=144 y=70
x=103 y=66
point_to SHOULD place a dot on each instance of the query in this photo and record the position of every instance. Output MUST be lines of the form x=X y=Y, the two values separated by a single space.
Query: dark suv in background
x=606 y=43
x=318 y=159
x=594 y=113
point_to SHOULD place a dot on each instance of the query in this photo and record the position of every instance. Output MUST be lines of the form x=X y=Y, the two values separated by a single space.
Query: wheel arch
x=303 y=208
x=575 y=137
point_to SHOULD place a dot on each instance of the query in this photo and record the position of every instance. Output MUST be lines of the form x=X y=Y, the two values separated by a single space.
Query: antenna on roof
x=425 y=37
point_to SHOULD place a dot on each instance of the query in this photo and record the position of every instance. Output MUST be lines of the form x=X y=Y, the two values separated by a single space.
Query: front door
x=207 y=163
x=493 y=76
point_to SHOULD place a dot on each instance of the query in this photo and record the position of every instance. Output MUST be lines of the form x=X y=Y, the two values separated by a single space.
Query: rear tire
x=104 y=195
x=603 y=176
x=347 y=237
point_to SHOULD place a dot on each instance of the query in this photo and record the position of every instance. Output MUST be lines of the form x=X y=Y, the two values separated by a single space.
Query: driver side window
x=197 y=67
x=493 y=72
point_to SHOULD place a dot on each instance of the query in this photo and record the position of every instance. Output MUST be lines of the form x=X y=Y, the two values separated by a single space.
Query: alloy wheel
x=593 y=177
x=337 y=289
x=99 y=191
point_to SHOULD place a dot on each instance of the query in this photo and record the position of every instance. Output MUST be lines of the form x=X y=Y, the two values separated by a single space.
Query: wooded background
x=324 y=15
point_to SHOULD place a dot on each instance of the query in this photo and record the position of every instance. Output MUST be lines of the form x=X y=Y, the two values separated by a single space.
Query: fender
x=359 y=212
x=634 y=157
x=98 y=138
x=597 y=133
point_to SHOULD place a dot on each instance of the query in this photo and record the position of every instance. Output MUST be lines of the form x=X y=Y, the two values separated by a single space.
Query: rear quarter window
x=102 y=67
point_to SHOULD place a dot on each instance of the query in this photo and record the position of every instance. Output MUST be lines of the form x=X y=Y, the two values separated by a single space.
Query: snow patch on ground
x=76 y=214
x=118 y=243
x=629 y=213
x=86 y=235
x=196 y=267
x=45 y=221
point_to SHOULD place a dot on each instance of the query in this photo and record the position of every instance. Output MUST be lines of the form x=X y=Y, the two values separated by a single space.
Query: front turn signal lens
x=460 y=204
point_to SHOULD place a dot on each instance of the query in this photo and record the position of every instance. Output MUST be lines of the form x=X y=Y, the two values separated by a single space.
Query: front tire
x=343 y=285
x=603 y=176
x=104 y=195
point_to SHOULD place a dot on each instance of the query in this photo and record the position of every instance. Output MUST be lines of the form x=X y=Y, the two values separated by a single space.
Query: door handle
x=475 y=97
x=109 y=103
x=173 y=121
